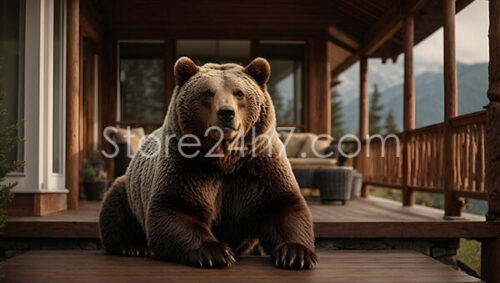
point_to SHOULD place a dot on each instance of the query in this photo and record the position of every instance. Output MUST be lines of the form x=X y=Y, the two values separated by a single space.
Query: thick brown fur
x=201 y=211
x=121 y=234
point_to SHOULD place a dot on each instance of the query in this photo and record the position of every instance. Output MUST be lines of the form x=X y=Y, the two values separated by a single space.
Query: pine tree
x=337 y=125
x=390 y=124
x=375 y=116
x=8 y=140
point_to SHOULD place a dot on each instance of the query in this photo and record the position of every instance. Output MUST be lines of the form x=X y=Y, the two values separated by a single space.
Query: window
x=12 y=15
x=286 y=85
x=142 y=81
x=215 y=51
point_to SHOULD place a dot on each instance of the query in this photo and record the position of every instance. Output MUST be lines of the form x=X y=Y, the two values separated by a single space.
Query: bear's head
x=228 y=100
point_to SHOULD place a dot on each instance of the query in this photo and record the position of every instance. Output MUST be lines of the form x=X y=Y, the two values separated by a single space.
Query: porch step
x=339 y=266
x=360 y=218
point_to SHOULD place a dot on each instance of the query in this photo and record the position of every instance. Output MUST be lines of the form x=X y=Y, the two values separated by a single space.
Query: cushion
x=135 y=136
x=312 y=161
x=320 y=145
x=294 y=144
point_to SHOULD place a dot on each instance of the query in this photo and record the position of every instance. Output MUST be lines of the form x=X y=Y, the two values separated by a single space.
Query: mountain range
x=429 y=91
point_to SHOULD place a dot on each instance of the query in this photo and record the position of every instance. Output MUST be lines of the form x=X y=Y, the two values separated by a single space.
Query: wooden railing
x=381 y=169
x=469 y=161
x=425 y=158
x=425 y=165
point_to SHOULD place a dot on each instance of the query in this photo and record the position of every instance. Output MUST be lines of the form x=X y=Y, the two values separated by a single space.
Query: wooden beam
x=348 y=62
x=169 y=70
x=343 y=39
x=363 y=98
x=341 y=44
x=364 y=8
x=318 y=88
x=110 y=92
x=36 y=204
x=254 y=48
x=409 y=80
x=363 y=119
x=409 y=104
x=334 y=81
x=348 y=39
x=72 y=102
x=490 y=258
x=382 y=31
x=452 y=204
x=492 y=181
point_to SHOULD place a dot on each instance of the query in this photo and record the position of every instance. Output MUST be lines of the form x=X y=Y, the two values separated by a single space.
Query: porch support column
x=452 y=207
x=363 y=98
x=490 y=251
x=318 y=87
x=72 y=99
x=493 y=116
x=409 y=104
x=490 y=259
x=363 y=116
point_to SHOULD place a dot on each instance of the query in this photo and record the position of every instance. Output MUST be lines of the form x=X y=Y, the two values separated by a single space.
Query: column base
x=36 y=204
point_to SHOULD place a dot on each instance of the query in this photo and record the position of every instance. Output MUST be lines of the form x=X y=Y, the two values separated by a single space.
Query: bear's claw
x=212 y=255
x=294 y=256
x=135 y=252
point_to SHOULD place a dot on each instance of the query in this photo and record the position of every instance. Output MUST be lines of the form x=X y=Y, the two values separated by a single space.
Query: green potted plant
x=94 y=178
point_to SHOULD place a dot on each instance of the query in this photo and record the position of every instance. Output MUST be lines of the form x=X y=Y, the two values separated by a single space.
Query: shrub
x=8 y=140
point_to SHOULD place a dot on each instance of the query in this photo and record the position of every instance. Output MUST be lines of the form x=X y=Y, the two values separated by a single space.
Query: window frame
x=170 y=56
x=136 y=123
x=256 y=45
x=37 y=176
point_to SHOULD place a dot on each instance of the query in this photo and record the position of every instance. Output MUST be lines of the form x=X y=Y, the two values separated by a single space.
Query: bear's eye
x=208 y=93
x=239 y=94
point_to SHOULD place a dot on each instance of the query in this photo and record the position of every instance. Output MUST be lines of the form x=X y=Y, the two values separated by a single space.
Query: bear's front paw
x=212 y=255
x=294 y=256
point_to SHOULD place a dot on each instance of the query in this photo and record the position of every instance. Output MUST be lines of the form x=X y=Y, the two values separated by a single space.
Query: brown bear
x=180 y=204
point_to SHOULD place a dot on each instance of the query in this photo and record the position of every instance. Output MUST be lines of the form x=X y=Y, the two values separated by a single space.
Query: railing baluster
x=481 y=165
x=425 y=158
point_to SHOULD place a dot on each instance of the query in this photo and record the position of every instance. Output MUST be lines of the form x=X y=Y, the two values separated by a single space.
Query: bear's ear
x=184 y=69
x=259 y=70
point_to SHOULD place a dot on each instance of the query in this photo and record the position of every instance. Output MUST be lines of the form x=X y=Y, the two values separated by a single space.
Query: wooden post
x=363 y=98
x=110 y=92
x=490 y=252
x=363 y=116
x=490 y=258
x=72 y=102
x=409 y=104
x=492 y=181
x=318 y=88
x=169 y=70
x=451 y=204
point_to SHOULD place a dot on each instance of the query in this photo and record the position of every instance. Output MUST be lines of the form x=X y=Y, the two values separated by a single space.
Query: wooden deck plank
x=361 y=218
x=338 y=266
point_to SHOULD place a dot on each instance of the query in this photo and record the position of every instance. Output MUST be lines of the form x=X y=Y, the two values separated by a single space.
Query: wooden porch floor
x=361 y=218
x=338 y=266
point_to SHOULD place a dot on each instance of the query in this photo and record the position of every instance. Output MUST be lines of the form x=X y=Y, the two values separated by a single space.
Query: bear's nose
x=226 y=113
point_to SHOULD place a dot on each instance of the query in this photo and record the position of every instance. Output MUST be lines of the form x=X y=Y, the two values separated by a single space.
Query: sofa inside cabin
x=304 y=150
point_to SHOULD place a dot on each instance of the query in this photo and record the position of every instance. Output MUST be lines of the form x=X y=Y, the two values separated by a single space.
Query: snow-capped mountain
x=429 y=93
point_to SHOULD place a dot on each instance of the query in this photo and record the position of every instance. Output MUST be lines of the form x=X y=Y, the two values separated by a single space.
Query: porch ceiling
x=350 y=26
x=362 y=20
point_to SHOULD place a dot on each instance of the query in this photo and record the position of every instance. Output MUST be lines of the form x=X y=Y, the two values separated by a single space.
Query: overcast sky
x=471 y=33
